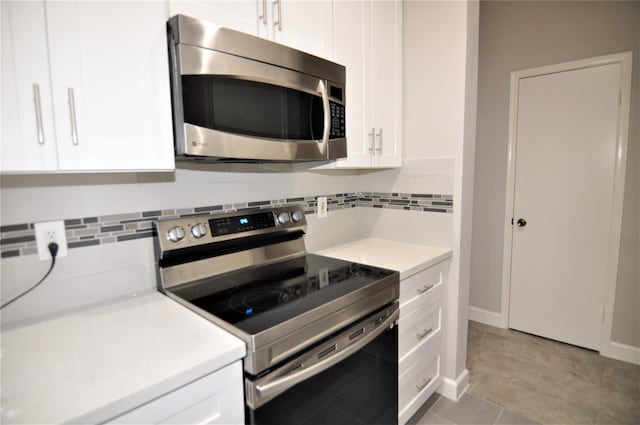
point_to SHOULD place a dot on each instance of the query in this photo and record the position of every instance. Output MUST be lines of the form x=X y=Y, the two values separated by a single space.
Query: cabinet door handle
x=424 y=288
x=36 y=100
x=424 y=333
x=263 y=15
x=379 y=137
x=372 y=139
x=422 y=385
x=278 y=4
x=72 y=114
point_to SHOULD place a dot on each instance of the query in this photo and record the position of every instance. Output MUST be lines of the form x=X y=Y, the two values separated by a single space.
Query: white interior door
x=565 y=158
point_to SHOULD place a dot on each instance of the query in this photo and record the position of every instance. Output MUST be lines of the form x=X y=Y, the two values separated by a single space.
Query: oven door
x=227 y=106
x=351 y=378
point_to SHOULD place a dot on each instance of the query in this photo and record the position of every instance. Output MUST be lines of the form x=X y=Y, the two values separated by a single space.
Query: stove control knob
x=283 y=218
x=175 y=234
x=296 y=216
x=199 y=230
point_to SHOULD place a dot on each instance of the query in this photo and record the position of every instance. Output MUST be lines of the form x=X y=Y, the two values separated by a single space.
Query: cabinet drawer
x=427 y=283
x=417 y=383
x=419 y=325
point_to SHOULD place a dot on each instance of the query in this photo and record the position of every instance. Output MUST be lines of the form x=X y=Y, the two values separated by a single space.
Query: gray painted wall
x=518 y=35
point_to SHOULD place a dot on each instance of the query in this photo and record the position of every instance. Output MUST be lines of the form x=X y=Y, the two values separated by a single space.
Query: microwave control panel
x=337 y=121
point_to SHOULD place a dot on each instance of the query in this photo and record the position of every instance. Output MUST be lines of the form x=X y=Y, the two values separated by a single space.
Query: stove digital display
x=242 y=223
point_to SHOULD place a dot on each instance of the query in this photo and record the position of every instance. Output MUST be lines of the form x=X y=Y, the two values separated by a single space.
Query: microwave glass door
x=251 y=108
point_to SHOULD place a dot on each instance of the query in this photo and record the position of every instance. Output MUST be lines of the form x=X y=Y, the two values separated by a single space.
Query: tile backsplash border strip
x=19 y=239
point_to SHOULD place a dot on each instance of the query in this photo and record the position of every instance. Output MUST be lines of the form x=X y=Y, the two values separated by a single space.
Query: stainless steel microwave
x=237 y=97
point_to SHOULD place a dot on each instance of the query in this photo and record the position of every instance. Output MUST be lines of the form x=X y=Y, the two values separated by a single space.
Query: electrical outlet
x=47 y=232
x=322 y=207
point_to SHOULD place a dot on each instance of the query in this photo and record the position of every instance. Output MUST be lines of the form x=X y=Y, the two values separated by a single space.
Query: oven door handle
x=269 y=390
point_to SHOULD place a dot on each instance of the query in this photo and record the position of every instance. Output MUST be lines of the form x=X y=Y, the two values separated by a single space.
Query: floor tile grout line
x=443 y=418
x=499 y=415
x=487 y=401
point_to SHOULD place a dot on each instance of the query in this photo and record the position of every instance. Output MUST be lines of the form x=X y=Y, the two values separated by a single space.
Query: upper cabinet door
x=110 y=83
x=386 y=81
x=28 y=137
x=305 y=25
x=240 y=15
x=368 y=41
x=351 y=31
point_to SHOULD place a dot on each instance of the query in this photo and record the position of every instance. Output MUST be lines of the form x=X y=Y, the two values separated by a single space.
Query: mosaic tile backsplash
x=19 y=239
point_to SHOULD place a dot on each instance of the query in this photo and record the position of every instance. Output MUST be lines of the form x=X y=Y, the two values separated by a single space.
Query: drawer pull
x=422 y=385
x=424 y=333
x=424 y=288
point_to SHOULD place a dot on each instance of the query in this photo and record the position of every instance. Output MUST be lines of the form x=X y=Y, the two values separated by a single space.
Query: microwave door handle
x=267 y=391
x=327 y=116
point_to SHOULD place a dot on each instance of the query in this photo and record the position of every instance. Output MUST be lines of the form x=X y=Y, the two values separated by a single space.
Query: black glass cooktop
x=256 y=299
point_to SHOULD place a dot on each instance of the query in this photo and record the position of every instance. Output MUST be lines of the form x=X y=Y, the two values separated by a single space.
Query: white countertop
x=407 y=258
x=92 y=364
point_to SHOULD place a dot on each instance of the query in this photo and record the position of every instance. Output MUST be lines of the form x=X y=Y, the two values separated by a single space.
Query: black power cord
x=53 y=249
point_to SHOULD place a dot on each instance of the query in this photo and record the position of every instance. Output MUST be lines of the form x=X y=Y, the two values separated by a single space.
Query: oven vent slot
x=356 y=334
x=328 y=351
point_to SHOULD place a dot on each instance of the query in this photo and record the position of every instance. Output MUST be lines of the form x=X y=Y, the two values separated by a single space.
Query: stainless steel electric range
x=321 y=333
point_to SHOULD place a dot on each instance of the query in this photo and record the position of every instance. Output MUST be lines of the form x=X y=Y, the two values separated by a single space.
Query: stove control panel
x=243 y=223
x=203 y=229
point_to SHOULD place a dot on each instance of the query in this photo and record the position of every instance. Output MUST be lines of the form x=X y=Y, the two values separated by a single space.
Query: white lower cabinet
x=421 y=338
x=217 y=398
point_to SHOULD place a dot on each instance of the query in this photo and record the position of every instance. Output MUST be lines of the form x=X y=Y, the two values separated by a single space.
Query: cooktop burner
x=259 y=298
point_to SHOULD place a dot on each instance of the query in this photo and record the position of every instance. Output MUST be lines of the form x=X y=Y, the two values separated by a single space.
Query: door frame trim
x=615 y=223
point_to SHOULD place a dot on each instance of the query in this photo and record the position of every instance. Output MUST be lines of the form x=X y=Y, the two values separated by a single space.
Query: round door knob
x=521 y=222
x=175 y=234
x=199 y=230
x=283 y=218
x=296 y=216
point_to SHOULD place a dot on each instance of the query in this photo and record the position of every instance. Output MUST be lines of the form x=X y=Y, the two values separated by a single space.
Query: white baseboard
x=618 y=351
x=454 y=389
x=487 y=317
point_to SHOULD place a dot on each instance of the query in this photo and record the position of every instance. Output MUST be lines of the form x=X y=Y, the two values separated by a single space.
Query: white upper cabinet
x=306 y=25
x=368 y=41
x=385 y=90
x=28 y=132
x=240 y=15
x=107 y=107
x=303 y=24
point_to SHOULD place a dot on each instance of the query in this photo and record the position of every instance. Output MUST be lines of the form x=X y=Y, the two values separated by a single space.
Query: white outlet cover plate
x=42 y=240
x=322 y=207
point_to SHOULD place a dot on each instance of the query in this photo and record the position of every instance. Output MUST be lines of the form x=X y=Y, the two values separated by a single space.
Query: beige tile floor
x=517 y=378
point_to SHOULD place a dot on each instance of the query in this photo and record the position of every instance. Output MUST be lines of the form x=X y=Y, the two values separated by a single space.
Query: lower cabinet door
x=215 y=399
x=419 y=323
x=419 y=380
